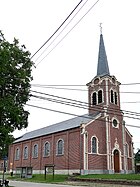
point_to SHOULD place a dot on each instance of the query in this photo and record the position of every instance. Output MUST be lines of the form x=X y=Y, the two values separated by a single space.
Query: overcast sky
x=73 y=61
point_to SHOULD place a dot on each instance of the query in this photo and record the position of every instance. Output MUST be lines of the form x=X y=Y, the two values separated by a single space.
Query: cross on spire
x=100 y=28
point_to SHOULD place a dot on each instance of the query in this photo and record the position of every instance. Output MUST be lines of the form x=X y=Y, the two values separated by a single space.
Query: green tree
x=137 y=156
x=15 y=77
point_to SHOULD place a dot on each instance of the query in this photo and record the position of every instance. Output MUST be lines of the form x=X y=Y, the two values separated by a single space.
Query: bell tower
x=103 y=90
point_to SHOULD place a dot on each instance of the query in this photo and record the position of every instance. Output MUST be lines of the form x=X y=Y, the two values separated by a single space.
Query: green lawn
x=112 y=176
x=63 y=178
x=41 y=178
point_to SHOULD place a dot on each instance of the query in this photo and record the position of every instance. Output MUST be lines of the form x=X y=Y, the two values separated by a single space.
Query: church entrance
x=116 y=161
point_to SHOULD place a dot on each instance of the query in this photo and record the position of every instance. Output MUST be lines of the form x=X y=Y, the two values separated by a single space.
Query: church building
x=95 y=143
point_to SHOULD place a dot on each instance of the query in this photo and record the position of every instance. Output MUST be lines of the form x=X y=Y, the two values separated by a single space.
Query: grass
x=112 y=176
x=41 y=178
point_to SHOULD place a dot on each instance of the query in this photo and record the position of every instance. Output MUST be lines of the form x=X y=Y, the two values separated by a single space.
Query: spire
x=102 y=68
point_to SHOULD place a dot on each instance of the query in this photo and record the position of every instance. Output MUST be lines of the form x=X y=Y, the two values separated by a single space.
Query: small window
x=35 y=151
x=60 y=147
x=25 y=152
x=46 y=149
x=115 y=123
x=94 y=145
x=100 y=100
x=17 y=154
x=115 y=95
x=94 y=101
x=112 y=97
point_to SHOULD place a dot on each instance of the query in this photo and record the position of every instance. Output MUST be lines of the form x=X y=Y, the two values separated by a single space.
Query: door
x=116 y=161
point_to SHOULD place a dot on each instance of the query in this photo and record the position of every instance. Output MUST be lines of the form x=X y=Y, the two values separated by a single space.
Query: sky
x=70 y=57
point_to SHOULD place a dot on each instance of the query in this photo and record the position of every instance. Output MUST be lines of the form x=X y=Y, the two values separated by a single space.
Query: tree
x=137 y=156
x=15 y=77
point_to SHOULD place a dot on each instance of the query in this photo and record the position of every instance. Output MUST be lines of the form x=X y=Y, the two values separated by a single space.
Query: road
x=30 y=184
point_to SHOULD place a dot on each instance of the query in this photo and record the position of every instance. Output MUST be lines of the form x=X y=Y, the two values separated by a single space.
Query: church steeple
x=102 y=68
x=103 y=90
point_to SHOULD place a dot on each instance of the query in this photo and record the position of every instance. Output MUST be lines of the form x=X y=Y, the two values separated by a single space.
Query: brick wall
x=71 y=159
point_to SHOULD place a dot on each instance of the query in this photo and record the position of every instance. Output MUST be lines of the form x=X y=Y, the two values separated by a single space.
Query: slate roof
x=102 y=68
x=58 y=127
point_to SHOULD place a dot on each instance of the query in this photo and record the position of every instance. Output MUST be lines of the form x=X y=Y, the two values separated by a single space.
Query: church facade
x=97 y=142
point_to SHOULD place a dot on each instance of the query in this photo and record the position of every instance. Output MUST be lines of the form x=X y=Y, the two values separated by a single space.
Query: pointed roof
x=102 y=68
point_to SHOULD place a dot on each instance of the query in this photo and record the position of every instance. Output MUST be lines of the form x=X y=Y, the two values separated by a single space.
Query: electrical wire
x=57 y=29
x=59 y=88
x=87 y=107
x=49 y=87
x=77 y=101
x=58 y=85
x=61 y=31
x=67 y=33
x=72 y=114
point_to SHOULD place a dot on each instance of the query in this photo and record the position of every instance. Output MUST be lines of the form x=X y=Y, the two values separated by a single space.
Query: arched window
x=94 y=100
x=112 y=97
x=60 y=147
x=17 y=154
x=100 y=97
x=35 y=151
x=46 y=149
x=94 y=145
x=116 y=100
x=25 y=152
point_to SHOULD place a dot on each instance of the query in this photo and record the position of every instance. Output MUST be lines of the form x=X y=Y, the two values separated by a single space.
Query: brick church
x=97 y=142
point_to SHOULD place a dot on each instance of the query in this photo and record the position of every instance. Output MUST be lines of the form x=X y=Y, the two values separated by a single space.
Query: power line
x=86 y=107
x=74 y=89
x=62 y=30
x=77 y=85
x=57 y=29
x=85 y=104
x=72 y=114
x=67 y=33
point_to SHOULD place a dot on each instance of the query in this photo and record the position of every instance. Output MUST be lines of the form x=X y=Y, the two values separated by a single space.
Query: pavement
x=66 y=184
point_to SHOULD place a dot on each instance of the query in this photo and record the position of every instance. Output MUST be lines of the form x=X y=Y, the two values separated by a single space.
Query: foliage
x=137 y=157
x=15 y=71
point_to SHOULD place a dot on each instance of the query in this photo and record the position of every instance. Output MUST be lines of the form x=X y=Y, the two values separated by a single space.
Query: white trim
x=33 y=156
x=114 y=118
x=85 y=151
x=17 y=156
x=44 y=149
x=97 y=143
x=120 y=157
x=26 y=146
x=128 y=132
x=107 y=99
x=57 y=147
x=96 y=91
x=114 y=90
x=107 y=141
x=127 y=149
x=98 y=116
